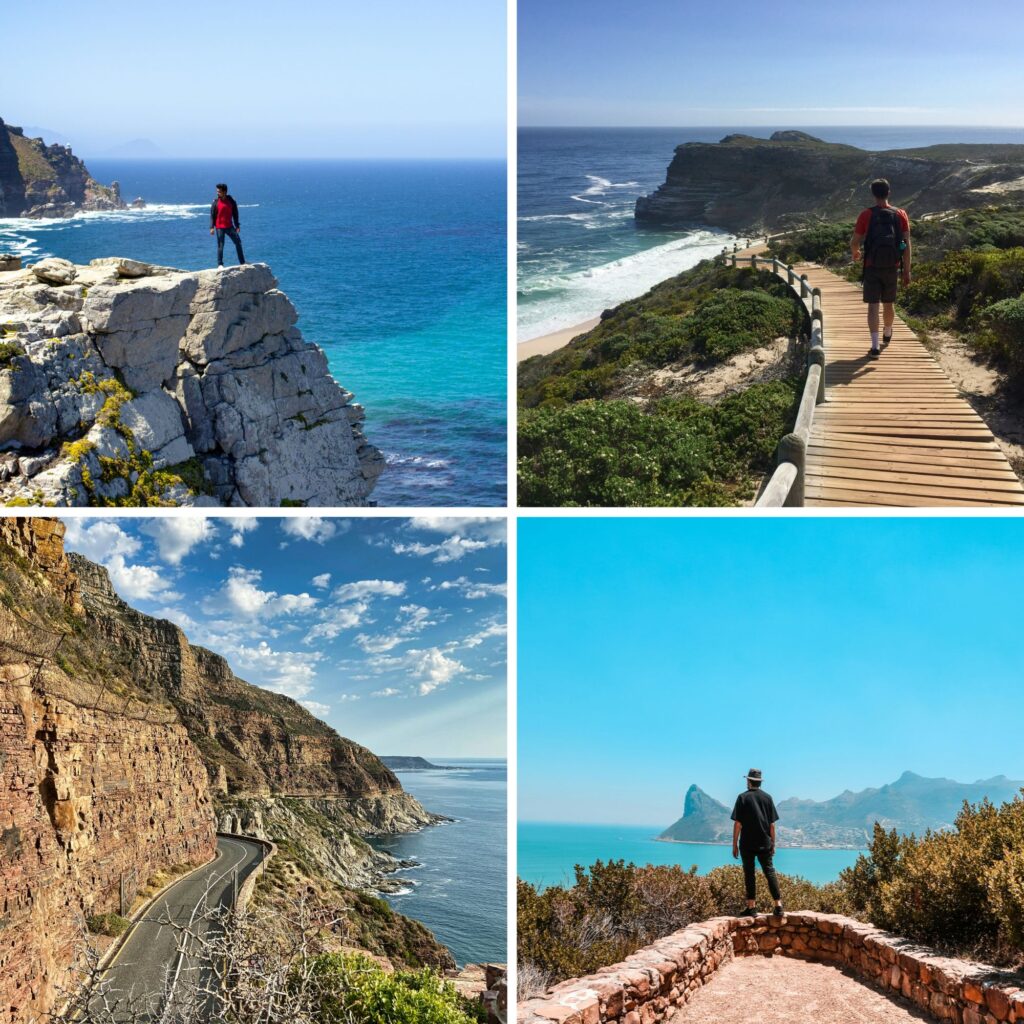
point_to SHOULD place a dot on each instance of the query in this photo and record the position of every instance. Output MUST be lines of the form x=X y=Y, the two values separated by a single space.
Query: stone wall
x=656 y=980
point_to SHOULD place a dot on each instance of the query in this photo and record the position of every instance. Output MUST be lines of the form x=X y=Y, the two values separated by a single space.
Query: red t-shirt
x=864 y=222
x=225 y=218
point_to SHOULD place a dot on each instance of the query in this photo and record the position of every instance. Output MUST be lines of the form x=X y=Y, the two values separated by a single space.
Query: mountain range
x=911 y=804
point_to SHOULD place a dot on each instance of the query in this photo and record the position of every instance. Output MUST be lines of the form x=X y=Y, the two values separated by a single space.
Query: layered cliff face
x=124 y=383
x=255 y=743
x=102 y=787
x=746 y=184
x=37 y=180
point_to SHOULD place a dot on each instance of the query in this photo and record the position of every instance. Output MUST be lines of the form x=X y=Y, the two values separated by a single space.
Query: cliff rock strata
x=100 y=790
x=37 y=180
x=747 y=184
x=125 y=383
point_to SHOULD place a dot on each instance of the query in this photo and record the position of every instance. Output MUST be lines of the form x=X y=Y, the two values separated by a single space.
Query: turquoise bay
x=547 y=852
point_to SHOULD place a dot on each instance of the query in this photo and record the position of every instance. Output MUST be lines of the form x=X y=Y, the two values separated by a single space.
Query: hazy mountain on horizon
x=912 y=803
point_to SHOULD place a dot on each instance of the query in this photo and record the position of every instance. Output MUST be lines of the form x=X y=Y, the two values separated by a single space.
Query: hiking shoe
x=873 y=353
x=749 y=912
x=886 y=338
x=778 y=911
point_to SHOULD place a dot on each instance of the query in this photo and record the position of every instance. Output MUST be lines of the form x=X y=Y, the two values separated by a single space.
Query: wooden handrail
x=785 y=487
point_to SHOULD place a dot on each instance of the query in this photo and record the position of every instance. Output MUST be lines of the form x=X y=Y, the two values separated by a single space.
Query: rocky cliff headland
x=123 y=383
x=37 y=180
x=123 y=747
x=911 y=804
x=748 y=184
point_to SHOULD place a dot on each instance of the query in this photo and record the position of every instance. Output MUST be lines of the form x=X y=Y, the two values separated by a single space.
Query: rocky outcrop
x=124 y=383
x=655 y=981
x=747 y=184
x=37 y=180
x=101 y=789
x=255 y=743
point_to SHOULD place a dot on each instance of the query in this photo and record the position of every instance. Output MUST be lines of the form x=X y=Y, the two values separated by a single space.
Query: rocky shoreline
x=125 y=383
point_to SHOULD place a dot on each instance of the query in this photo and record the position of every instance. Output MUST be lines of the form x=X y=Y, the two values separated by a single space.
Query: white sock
x=874 y=340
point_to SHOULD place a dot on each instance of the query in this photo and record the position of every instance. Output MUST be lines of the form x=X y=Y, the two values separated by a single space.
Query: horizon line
x=640 y=127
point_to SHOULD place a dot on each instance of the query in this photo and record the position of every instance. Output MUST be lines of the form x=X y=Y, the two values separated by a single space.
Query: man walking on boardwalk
x=884 y=232
x=224 y=221
x=753 y=838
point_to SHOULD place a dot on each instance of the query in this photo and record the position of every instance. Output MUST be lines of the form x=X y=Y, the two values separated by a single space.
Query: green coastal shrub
x=827 y=244
x=732 y=321
x=353 y=988
x=109 y=924
x=1000 y=334
x=679 y=452
x=961 y=890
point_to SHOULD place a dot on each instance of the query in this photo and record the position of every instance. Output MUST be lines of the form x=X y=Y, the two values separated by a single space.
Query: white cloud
x=323 y=581
x=100 y=541
x=360 y=589
x=464 y=536
x=434 y=669
x=346 y=697
x=472 y=590
x=451 y=549
x=316 y=707
x=388 y=691
x=336 y=620
x=491 y=629
x=180 y=618
x=241 y=596
x=239 y=527
x=412 y=619
x=314 y=528
x=138 y=582
x=289 y=672
x=176 y=537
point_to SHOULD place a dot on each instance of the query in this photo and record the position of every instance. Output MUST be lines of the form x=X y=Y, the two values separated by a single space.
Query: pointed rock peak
x=697 y=801
x=908 y=777
x=793 y=136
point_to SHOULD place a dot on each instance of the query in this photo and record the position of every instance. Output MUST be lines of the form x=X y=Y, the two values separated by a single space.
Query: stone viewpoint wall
x=656 y=980
x=126 y=383
x=93 y=800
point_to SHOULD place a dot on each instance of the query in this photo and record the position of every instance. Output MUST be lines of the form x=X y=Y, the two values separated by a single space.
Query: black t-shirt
x=755 y=811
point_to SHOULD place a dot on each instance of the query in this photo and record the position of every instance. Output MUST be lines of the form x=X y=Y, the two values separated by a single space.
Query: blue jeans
x=233 y=235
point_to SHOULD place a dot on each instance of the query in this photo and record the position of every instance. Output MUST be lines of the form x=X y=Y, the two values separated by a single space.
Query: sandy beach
x=550 y=342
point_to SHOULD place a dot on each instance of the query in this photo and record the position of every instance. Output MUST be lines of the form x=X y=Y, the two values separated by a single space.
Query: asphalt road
x=150 y=961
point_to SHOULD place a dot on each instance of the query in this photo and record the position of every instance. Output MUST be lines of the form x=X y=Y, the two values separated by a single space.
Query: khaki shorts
x=880 y=284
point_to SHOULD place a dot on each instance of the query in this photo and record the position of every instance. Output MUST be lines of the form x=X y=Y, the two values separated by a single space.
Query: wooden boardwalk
x=894 y=430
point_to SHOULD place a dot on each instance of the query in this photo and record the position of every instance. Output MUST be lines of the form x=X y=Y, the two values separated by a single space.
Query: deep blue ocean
x=547 y=852
x=579 y=248
x=397 y=270
x=459 y=888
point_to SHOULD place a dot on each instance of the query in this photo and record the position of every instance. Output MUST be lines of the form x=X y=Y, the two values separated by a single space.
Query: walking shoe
x=778 y=911
x=873 y=353
x=886 y=338
x=749 y=912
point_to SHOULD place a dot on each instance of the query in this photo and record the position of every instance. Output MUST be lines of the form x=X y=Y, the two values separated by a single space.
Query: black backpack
x=884 y=240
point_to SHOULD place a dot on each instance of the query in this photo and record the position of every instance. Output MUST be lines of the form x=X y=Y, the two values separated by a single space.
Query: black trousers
x=764 y=857
x=233 y=235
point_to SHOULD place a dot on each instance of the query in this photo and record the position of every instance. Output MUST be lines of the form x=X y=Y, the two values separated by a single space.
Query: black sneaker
x=886 y=338
x=778 y=911
x=873 y=353
x=749 y=912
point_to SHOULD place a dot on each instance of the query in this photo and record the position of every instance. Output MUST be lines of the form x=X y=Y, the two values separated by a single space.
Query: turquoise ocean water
x=547 y=852
x=397 y=270
x=579 y=249
x=458 y=890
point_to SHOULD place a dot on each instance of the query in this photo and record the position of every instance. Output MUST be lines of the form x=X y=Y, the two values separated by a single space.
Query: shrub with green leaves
x=733 y=321
x=352 y=987
x=679 y=452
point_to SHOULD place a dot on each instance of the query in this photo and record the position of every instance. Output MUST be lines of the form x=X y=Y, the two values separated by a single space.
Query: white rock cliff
x=125 y=383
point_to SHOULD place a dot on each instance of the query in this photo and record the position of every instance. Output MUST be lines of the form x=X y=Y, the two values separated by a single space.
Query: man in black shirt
x=753 y=837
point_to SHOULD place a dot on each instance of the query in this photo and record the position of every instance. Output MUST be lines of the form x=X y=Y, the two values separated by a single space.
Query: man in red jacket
x=884 y=232
x=224 y=221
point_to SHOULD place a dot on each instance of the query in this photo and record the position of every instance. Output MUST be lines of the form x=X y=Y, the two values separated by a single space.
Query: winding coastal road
x=137 y=978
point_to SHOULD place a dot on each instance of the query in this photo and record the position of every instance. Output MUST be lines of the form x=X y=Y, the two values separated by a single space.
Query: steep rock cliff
x=37 y=180
x=101 y=785
x=125 y=383
x=749 y=184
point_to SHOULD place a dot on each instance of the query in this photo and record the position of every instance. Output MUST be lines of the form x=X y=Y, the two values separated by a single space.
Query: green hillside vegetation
x=580 y=445
x=959 y=891
x=968 y=279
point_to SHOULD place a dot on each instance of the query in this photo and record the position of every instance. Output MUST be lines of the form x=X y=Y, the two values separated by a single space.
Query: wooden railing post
x=816 y=357
x=753 y=262
x=775 y=265
x=791 y=276
x=804 y=287
x=793 y=448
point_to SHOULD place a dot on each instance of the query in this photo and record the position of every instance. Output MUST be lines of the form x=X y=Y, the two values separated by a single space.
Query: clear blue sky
x=261 y=77
x=830 y=653
x=651 y=62
x=390 y=630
